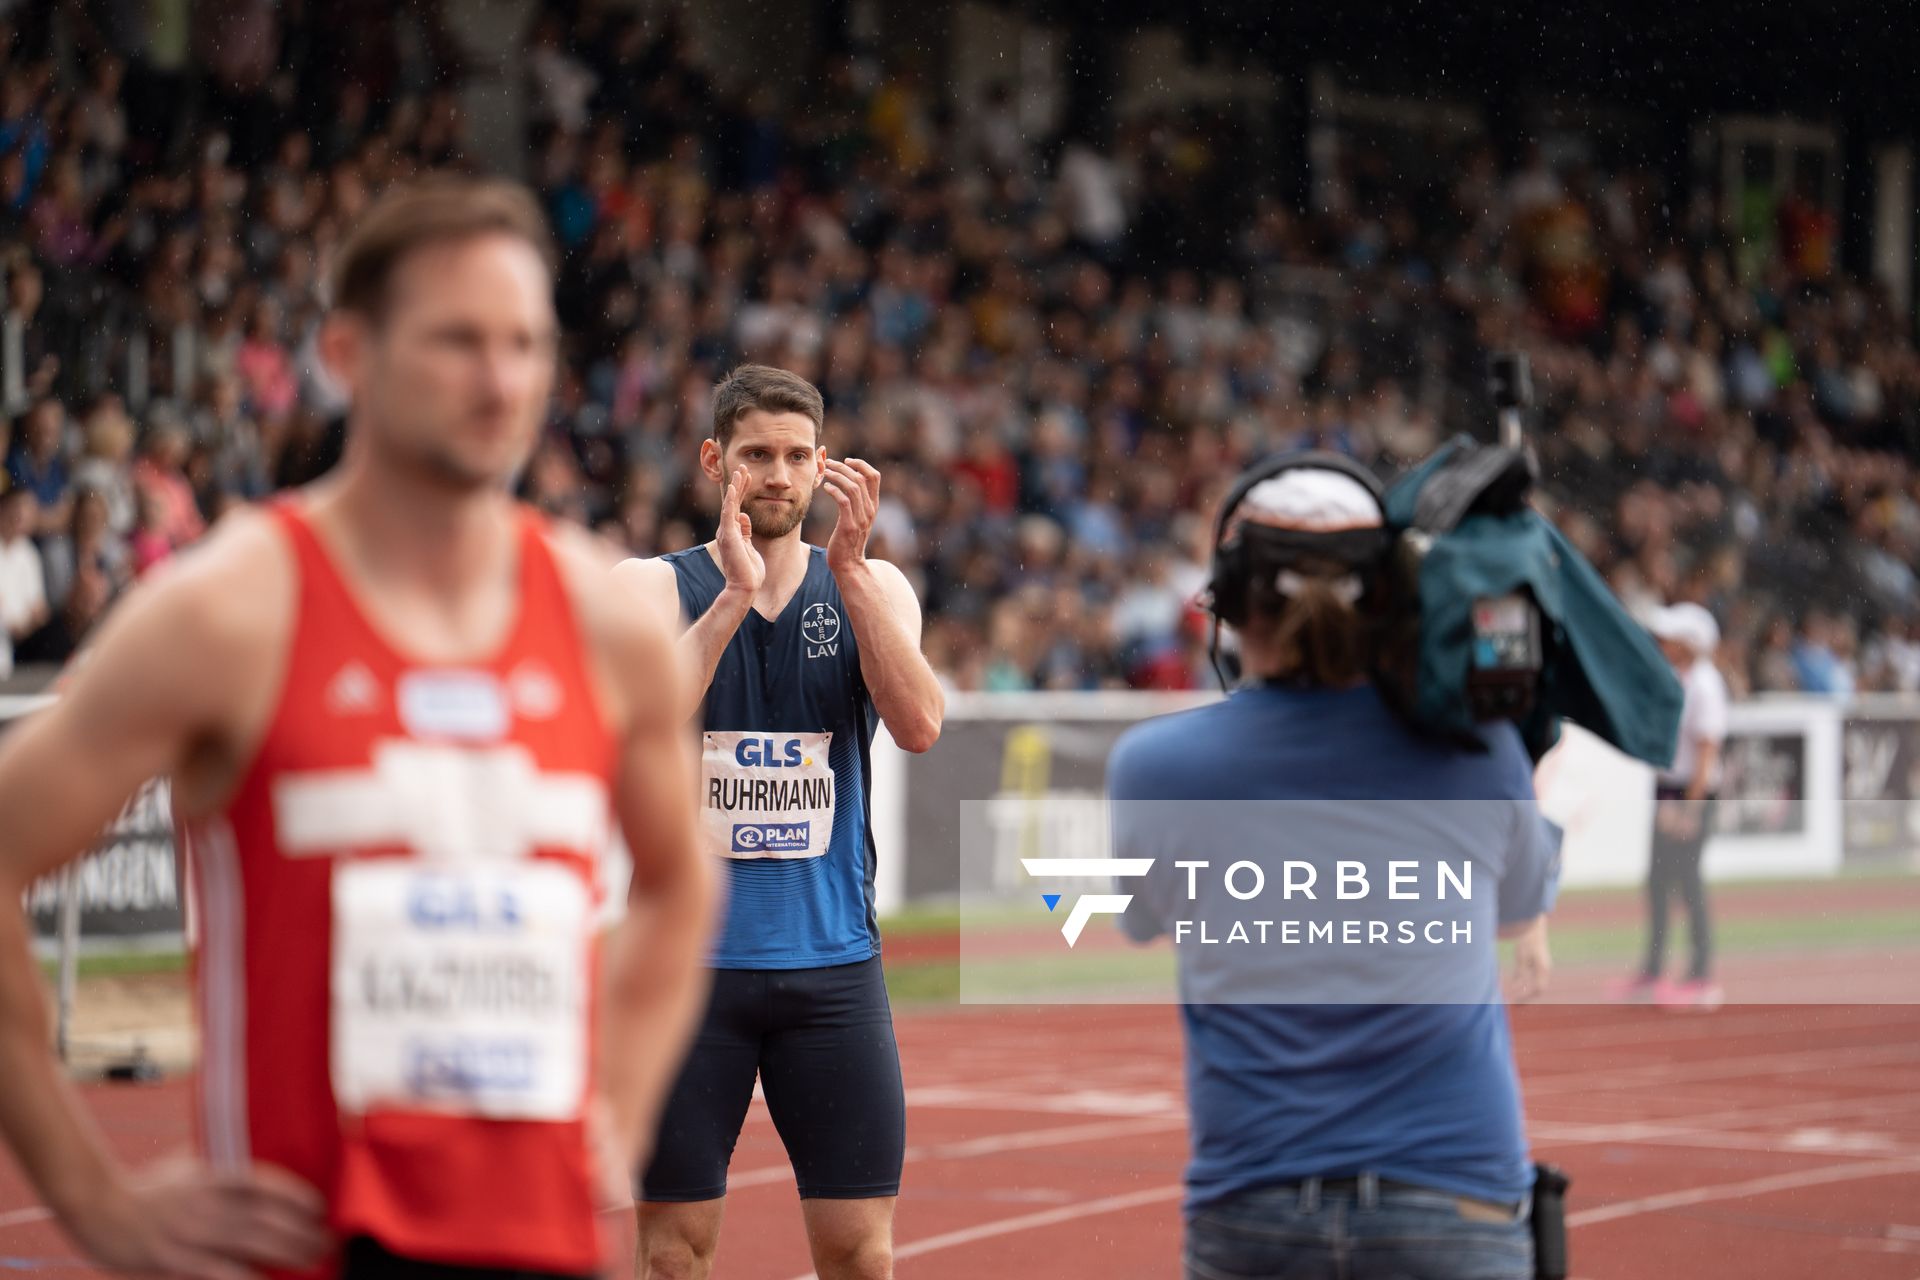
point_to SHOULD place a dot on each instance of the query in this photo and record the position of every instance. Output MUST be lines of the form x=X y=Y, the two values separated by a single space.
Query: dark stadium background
x=1060 y=269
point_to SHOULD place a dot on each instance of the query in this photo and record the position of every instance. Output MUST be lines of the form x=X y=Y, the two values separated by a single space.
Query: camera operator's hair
x=1321 y=638
x=763 y=387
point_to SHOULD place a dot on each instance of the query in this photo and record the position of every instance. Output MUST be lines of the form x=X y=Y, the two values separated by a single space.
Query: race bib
x=766 y=795
x=462 y=992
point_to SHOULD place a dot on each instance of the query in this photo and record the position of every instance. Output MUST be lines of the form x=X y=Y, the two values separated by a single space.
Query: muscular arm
x=883 y=611
x=654 y=976
x=64 y=774
x=885 y=618
x=701 y=644
x=697 y=651
x=699 y=647
x=168 y=675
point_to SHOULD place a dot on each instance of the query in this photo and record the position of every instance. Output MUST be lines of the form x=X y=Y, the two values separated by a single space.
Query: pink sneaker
x=1703 y=994
x=1634 y=990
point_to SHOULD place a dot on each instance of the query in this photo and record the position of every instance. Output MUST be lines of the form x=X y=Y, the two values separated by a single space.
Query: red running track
x=1758 y=1143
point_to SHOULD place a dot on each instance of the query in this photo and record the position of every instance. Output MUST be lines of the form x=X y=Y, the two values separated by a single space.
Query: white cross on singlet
x=449 y=804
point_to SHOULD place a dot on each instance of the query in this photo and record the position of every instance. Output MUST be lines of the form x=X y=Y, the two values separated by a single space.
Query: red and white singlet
x=395 y=915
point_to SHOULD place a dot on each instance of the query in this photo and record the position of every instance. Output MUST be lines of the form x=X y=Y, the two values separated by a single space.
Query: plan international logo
x=1087 y=905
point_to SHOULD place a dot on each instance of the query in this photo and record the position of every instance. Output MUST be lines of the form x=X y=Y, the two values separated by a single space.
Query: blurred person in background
x=23 y=583
x=150 y=543
x=168 y=507
x=38 y=463
x=104 y=466
x=1819 y=666
x=1773 y=666
x=21 y=324
x=407 y=630
x=1897 y=655
x=86 y=602
x=88 y=542
x=1684 y=808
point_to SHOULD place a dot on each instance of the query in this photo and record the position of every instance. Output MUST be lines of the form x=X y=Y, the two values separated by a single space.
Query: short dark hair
x=770 y=390
x=425 y=211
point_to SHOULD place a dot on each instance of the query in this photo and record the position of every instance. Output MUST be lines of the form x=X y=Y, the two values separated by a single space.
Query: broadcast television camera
x=1480 y=609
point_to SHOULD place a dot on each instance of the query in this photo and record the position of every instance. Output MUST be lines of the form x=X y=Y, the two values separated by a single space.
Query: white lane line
x=1757 y=1067
x=1849 y=1172
x=1095 y=1132
x=1029 y=1222
x=1639 y=1025
x=993 y=1144
x=1722 y=1140
x=21 y=1217
x=1728 y=1122
x=1881 y=1246
x=1069 y=1098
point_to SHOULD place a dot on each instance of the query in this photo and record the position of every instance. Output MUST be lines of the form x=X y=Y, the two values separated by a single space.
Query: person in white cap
x=1683 y=811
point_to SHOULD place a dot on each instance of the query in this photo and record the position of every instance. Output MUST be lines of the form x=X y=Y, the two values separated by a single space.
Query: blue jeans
x=1303 y=1232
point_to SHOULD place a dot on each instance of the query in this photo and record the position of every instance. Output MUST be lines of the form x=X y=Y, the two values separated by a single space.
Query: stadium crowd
x=1057 y=349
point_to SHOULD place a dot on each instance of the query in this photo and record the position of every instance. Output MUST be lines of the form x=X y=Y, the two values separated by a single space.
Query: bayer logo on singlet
x=821 y=626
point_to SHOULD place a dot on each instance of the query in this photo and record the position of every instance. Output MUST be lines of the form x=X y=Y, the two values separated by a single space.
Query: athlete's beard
x=440 y=464
x=777 y=520
x=450 y=473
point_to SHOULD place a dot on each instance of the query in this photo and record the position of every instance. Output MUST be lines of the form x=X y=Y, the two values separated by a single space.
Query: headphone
x=1226 y=594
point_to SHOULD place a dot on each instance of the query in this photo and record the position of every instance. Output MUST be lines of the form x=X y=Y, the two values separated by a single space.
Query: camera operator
x=1371 y=1138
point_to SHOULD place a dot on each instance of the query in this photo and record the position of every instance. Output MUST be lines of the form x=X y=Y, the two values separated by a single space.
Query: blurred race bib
x=460 y=991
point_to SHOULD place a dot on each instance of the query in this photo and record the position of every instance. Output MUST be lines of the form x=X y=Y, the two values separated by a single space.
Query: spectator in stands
x=88 y=542
x=20 y=331
x=100 y=118
x=104 y=466
x=1774 y=670
x=68 y=626
x=150 y=544
x=38 y=463
x=1818 y=666
x=1094 y=328
x=62 y=218
x=232 y=445
x=23 y=584
x=23 y=129
x=1900 y=655
x=170 y=511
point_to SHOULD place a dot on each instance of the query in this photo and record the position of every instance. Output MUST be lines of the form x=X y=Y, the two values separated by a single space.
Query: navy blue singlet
x=784 y=776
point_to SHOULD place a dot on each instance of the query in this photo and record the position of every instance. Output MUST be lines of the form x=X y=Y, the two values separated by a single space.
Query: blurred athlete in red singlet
x=400 y=714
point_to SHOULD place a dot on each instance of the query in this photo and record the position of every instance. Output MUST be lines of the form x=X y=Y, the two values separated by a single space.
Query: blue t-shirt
x=787 y=722
x=47 y=482
x=1423 y=1093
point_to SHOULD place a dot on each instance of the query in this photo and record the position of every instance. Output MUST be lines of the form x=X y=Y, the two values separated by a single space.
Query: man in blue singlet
x=797 y=650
